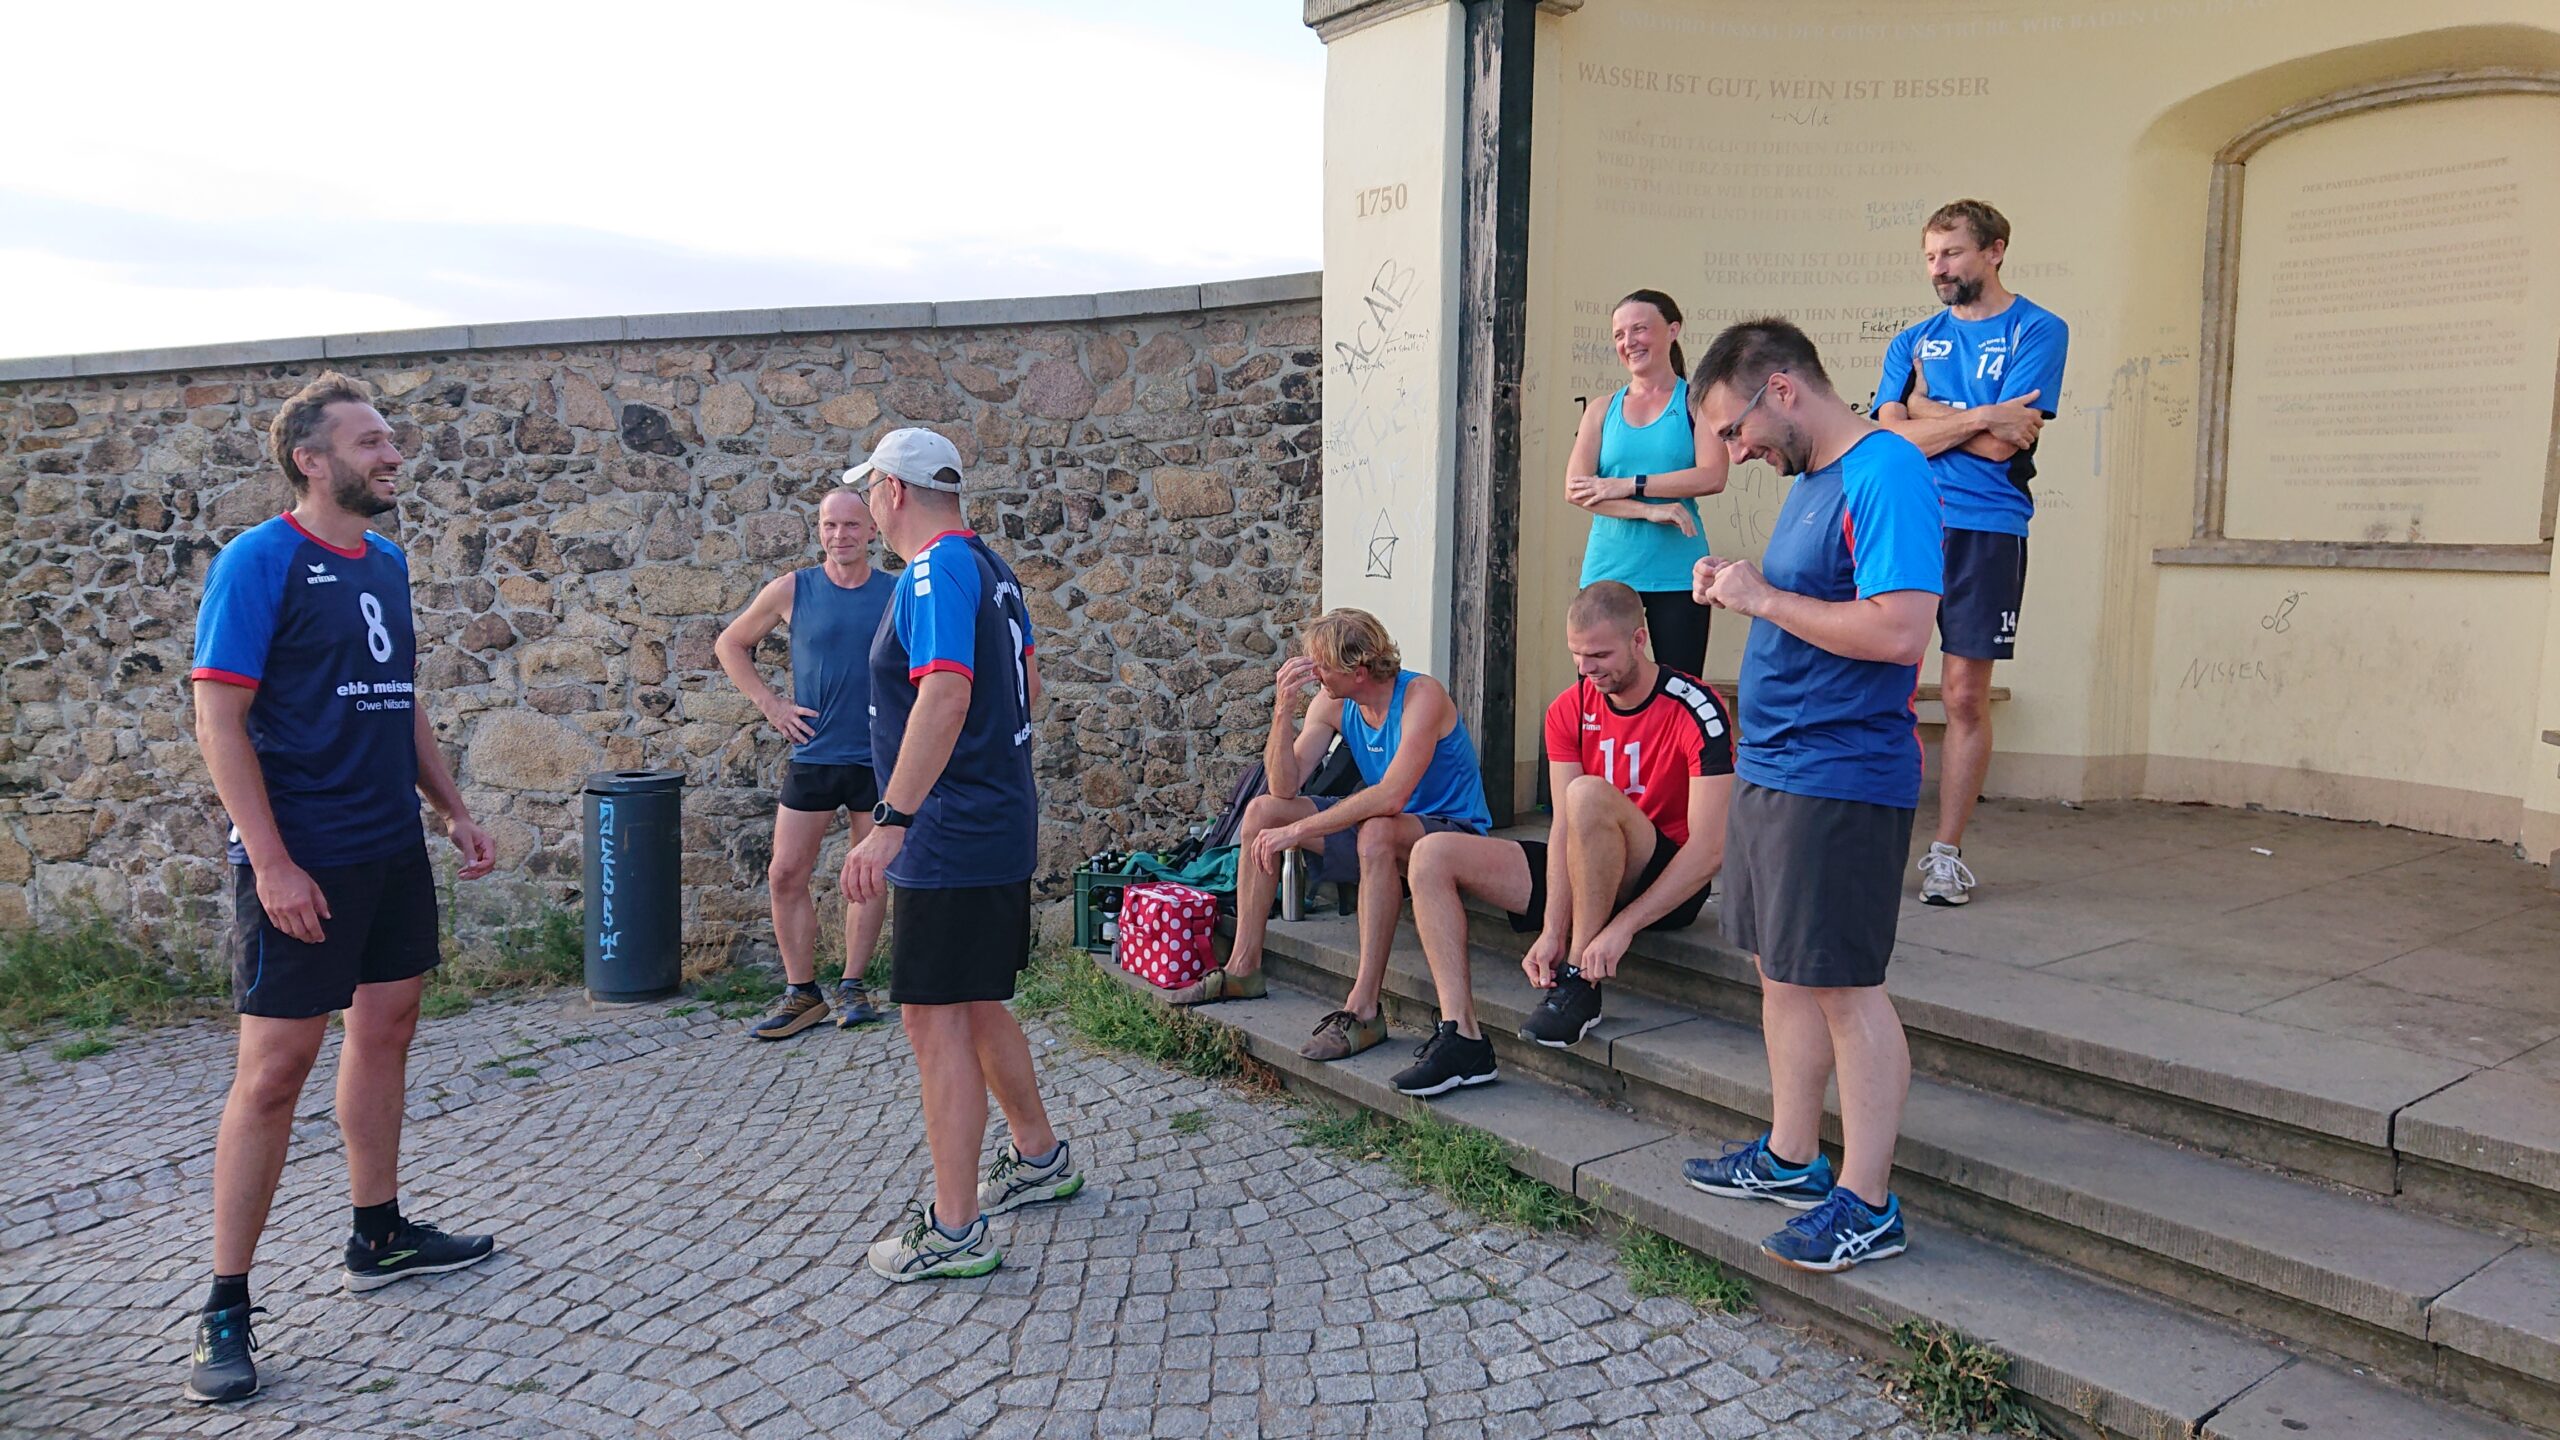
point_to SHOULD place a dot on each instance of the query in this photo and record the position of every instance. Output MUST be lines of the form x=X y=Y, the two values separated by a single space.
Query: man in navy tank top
x=1418 y=776
x=955 y=839
x=308 y=715
x=833 y=610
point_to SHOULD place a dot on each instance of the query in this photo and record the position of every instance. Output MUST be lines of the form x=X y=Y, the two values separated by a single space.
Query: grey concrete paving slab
x=2494 y=1122
x=2343 y=1086
x=681 y=1231
x=2198 y=973
x=2160 y=1371
x=2541 y=1062
x=2358 y=1007
x=2511 y=963
x=2312 y=1400
x=2508 y=1314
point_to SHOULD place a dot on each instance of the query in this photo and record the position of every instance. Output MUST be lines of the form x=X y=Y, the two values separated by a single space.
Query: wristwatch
x=885 y=813
x=1640 y=485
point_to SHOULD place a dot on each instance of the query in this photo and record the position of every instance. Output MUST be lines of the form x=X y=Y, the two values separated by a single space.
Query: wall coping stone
x=682 y=325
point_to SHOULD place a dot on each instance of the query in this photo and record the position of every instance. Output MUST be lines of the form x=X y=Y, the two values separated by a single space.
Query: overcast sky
x=190 y=173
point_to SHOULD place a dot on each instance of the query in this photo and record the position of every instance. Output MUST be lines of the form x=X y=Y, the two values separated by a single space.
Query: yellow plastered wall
x=1781 y=159
x=1391 y=230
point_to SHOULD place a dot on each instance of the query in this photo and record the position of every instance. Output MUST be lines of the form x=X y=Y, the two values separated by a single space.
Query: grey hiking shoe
x=1341 y=1035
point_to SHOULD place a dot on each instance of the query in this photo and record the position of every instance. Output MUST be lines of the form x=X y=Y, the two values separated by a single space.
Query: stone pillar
x=1393 y=213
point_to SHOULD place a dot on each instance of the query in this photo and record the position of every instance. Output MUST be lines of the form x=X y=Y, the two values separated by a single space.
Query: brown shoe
x=1341 y=1035
x=796 y=1013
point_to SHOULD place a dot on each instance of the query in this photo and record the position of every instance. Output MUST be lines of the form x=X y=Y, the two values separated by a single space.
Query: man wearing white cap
x=955 y=840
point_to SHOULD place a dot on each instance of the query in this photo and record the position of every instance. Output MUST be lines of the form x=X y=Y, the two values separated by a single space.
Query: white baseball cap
x=918 y=457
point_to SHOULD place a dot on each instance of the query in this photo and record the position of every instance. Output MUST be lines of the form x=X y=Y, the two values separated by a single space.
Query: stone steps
x=2162 y=1372
x=2477 y=1146
x=2455 y=1310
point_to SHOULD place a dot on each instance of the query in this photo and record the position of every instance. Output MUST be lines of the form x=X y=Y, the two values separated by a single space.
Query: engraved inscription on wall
x=2397 y=327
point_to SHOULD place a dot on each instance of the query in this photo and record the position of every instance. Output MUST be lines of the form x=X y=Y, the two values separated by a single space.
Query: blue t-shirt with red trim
x=1820 y=724
x=325 y=638
x=1965 y=363
x=959 y=608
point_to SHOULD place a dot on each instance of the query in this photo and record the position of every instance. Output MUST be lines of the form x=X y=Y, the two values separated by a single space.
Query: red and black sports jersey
x=1681 y=731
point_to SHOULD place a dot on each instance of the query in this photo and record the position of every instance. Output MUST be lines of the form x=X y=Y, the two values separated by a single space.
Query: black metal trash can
x=635 y=821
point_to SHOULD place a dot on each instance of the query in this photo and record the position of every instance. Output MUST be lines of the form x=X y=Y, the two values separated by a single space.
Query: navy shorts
x=1986 y=583
x=829 y=788
x=381 y=928
x=1341 y=862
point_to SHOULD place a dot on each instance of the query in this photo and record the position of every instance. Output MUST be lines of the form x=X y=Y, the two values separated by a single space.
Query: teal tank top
x=1640 y=553
x=1452 y=789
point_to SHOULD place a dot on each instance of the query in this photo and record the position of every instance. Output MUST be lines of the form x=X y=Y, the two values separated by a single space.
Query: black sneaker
x=223 y=1370
x=853 y=1005
x=1446 y=1061
x=413 y=1249
x=1567 y=1014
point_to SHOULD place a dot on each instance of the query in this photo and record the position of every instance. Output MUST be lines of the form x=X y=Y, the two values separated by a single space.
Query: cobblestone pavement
x=681 y=1218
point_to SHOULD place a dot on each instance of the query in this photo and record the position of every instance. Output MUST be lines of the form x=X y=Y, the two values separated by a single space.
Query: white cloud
x=879 y=137
x=50 y=306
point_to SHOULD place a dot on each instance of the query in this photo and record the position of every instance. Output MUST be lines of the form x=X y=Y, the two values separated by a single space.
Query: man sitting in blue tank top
x=1418 y=777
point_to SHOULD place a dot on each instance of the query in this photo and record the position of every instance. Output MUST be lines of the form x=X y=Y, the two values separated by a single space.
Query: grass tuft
x=541 y=952
x=90 y=976
x=1189 y=1122
x=1956 y=1384
x=738 y=992
x=1469 y=1166
x=1658 y=1265
x=1068 y=986
x=82 y=1048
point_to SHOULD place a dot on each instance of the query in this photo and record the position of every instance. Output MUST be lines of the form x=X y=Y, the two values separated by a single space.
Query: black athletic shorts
x=950 y=947
x=829 y=788
x=1986 y=584
x=1682 y=916
x=1813 y=886
x=381 y=927
x=1678 y=625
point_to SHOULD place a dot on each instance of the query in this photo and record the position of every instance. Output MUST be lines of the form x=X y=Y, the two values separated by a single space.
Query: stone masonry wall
x=582 y=518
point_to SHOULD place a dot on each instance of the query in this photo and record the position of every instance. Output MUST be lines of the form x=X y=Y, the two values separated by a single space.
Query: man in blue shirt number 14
x=1971 y=386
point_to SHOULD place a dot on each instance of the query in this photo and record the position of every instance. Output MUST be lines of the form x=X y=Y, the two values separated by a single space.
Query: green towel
x=1212 y=870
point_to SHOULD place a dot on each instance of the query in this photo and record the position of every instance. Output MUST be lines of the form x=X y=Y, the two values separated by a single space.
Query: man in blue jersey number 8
x=319 y=747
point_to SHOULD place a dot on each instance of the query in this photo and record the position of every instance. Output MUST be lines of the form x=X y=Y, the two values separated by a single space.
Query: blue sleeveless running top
x=831 y=630
x=1640 y=553
x=1452 y=789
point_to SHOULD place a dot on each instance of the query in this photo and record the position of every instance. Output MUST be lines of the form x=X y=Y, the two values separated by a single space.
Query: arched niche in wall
x=2382 y=331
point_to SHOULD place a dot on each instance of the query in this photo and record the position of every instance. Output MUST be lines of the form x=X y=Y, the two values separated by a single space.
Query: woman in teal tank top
x=1637 y=468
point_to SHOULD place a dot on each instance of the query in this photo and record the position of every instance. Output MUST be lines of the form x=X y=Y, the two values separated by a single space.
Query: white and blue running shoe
x=1747 y=1171
x=1840 y=1233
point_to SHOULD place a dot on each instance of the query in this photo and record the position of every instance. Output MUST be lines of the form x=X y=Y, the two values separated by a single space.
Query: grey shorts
x=1814 y=886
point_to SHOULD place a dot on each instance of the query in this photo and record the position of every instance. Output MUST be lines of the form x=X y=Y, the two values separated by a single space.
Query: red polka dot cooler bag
x=1164 y=933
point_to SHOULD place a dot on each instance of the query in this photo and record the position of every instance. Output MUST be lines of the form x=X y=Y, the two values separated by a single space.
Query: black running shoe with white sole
x=223 y=1371
x=413 y=1249
x=1446 y=1061
x=1567 y=1014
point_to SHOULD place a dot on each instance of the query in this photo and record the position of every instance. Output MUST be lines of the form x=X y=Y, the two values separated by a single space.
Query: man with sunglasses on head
x=1841 y=605
x=954 y=840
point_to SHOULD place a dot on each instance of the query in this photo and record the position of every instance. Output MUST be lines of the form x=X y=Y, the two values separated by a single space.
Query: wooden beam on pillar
x=1493 y=300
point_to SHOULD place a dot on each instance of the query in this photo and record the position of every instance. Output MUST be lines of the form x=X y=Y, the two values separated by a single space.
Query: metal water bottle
x=1293 y=886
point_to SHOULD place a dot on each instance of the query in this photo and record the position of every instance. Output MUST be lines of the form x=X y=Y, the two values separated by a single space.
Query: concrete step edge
x=2167 y=1374
x=2371 y=1264
x=2348 y=1092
